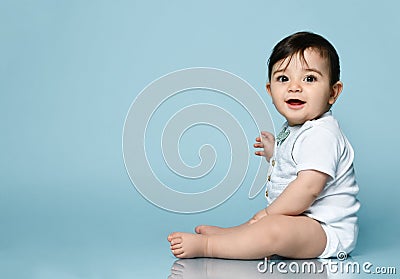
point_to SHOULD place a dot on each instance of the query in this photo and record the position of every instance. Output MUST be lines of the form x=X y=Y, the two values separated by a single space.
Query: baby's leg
x=208 y=230
x=288 y=236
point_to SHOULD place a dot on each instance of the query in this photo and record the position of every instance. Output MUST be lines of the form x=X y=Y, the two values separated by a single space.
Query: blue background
x=69 y=71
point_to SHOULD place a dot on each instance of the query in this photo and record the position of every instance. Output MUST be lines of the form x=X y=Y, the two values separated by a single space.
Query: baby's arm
x=299 y=194
x=266 y=141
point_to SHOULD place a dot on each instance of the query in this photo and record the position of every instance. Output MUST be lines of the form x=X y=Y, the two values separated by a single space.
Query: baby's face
x=300 y=90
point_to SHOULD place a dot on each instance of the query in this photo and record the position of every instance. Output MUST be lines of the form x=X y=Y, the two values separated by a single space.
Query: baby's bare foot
x=188 y=245
x=209 y=230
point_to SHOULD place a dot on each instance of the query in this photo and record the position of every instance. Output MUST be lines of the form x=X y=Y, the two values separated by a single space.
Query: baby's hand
x=266 y=141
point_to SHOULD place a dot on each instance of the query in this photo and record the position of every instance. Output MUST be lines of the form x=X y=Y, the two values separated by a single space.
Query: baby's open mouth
x=295 y=102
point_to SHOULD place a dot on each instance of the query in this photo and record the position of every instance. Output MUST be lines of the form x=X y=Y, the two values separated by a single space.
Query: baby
x=311 y=188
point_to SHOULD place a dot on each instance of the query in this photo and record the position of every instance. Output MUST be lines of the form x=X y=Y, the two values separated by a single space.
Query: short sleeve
x=317 y=148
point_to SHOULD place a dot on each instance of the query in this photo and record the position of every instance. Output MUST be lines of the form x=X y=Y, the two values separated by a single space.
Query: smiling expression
x=301 y=89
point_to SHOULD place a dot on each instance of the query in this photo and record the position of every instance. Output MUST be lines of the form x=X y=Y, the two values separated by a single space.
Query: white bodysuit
x=320 y=145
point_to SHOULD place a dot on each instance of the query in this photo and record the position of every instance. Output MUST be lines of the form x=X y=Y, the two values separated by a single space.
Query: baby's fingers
x=258 y=145
x=260 y=153
x=267 y=135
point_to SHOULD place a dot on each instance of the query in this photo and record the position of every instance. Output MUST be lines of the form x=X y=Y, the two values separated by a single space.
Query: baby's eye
x=310 y=78
x=282 y=78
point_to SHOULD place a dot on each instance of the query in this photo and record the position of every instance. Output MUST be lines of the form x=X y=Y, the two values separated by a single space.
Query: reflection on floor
x=204 y=268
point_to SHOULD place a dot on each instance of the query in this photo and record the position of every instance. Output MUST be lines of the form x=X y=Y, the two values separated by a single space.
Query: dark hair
x=298 y=43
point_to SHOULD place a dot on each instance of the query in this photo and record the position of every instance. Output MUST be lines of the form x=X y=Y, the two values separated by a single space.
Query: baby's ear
x=268 y=87
x=335 y=92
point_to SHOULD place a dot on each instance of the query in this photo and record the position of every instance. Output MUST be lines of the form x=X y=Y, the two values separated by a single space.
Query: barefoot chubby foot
x=188 y=245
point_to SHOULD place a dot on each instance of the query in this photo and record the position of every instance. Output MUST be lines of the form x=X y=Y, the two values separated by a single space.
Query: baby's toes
x=173 y=236
x=176 y=241
x=178 y=252
x=177 y=249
